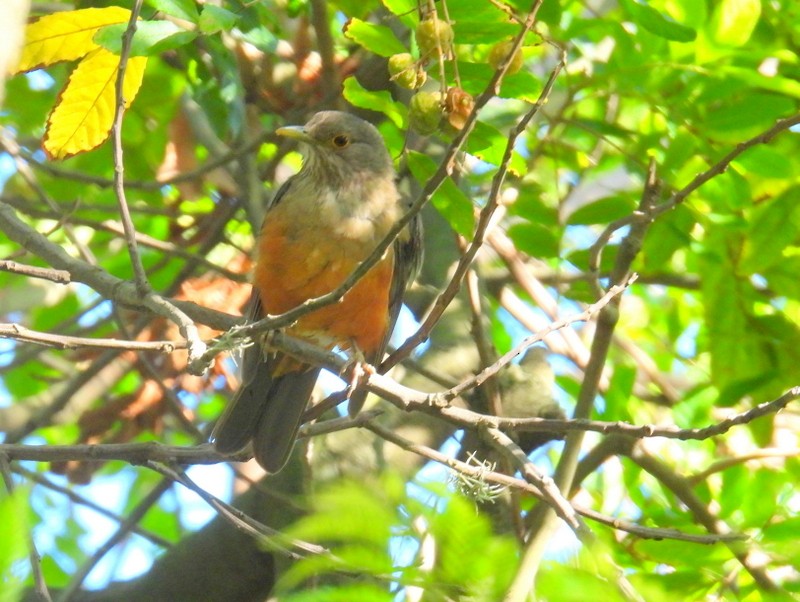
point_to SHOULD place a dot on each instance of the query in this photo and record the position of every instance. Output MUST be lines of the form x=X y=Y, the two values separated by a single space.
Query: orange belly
x=291 y=270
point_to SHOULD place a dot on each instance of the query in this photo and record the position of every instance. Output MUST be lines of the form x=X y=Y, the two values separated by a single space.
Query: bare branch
x=57 y=276
x=722 y=165
x=18 y=332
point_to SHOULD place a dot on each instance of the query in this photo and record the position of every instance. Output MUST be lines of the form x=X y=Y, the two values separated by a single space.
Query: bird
x=320 y=225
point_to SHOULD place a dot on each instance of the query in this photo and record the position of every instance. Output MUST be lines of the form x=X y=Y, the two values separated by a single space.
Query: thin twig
x=75 y=498
x=550 y=492
x=57 y=276
x=125 y=527
x=237 y=518
x=722 y=165
x=481 y=229
x=584 y=316
x=18 y=332
x=119 y=166
x=682 y=489
x=522 y=486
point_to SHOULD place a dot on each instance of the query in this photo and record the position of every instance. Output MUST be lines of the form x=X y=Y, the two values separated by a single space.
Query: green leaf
x=619 y=392
x=375 y=38
x=151 y=37
x=656 y=23
x=534 y=240
x=740 y=362
x=448 y=199
x=379 y=100
x=260 y=37
x=733 y=21
x=603 y=211
x=214 y=19
x=773 y=228
x=182 y=9
x=13 y=542
x=765 y=161
x=746 y=115
x=404 y=10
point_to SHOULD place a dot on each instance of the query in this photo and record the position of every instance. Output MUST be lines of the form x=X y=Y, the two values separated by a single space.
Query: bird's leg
x=265 y=340
x=358 y=369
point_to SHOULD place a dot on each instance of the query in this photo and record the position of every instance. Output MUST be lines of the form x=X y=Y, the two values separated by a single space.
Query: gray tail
x=276 y=429
x=266 y=411
x=237 y=425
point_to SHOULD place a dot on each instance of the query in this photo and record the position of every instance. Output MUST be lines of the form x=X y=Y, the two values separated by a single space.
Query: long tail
x=277 y=427
x=266 y=411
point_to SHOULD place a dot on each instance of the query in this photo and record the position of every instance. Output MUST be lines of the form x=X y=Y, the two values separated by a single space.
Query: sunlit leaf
x=214 y=19
x=380 y=100
x=152 y=37
x=66 y=36
x=655 y=22
x=375 y=38
x=182 y=9
x=84 y=114
x=14 y=533
x=733 y=21
x=449 y=200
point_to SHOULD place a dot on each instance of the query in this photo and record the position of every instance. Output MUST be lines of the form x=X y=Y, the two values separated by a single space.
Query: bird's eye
x=341 y=141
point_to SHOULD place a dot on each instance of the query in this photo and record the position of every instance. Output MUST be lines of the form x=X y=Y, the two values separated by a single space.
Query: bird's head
x=340 y=146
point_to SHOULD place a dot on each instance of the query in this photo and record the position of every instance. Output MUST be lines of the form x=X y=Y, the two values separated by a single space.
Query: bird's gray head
x=341 y=146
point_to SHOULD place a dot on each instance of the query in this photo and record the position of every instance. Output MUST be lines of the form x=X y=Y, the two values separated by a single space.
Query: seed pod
x=425 y=112
x=500 y=51
x=405 y=71
x=433 y=34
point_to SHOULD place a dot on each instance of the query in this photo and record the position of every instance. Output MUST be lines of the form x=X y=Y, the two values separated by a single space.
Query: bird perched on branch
x=322 y=223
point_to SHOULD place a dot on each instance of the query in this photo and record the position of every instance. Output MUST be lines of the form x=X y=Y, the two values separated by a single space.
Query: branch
x=133 y=453
x=125 y=527
x=682 y=489
x=57 y=276
x=322 y=28
x=119 y=167
x=646 y=430
x=489 y=476
x=506 y=359
x=237 y=518
x=18 y=332
x=722 y=165
x=108 y=286
x=484 y=220
x=543 y=523
x=550 y=492
x=75 y=498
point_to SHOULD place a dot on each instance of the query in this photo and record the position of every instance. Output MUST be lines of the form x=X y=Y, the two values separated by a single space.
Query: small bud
x=434 y=36
x=425 y=112
x=405 y=71
x=500 y=51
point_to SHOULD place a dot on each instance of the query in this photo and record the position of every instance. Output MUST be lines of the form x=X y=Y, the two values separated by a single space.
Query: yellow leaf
x=84 y=113
x=66 y=36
